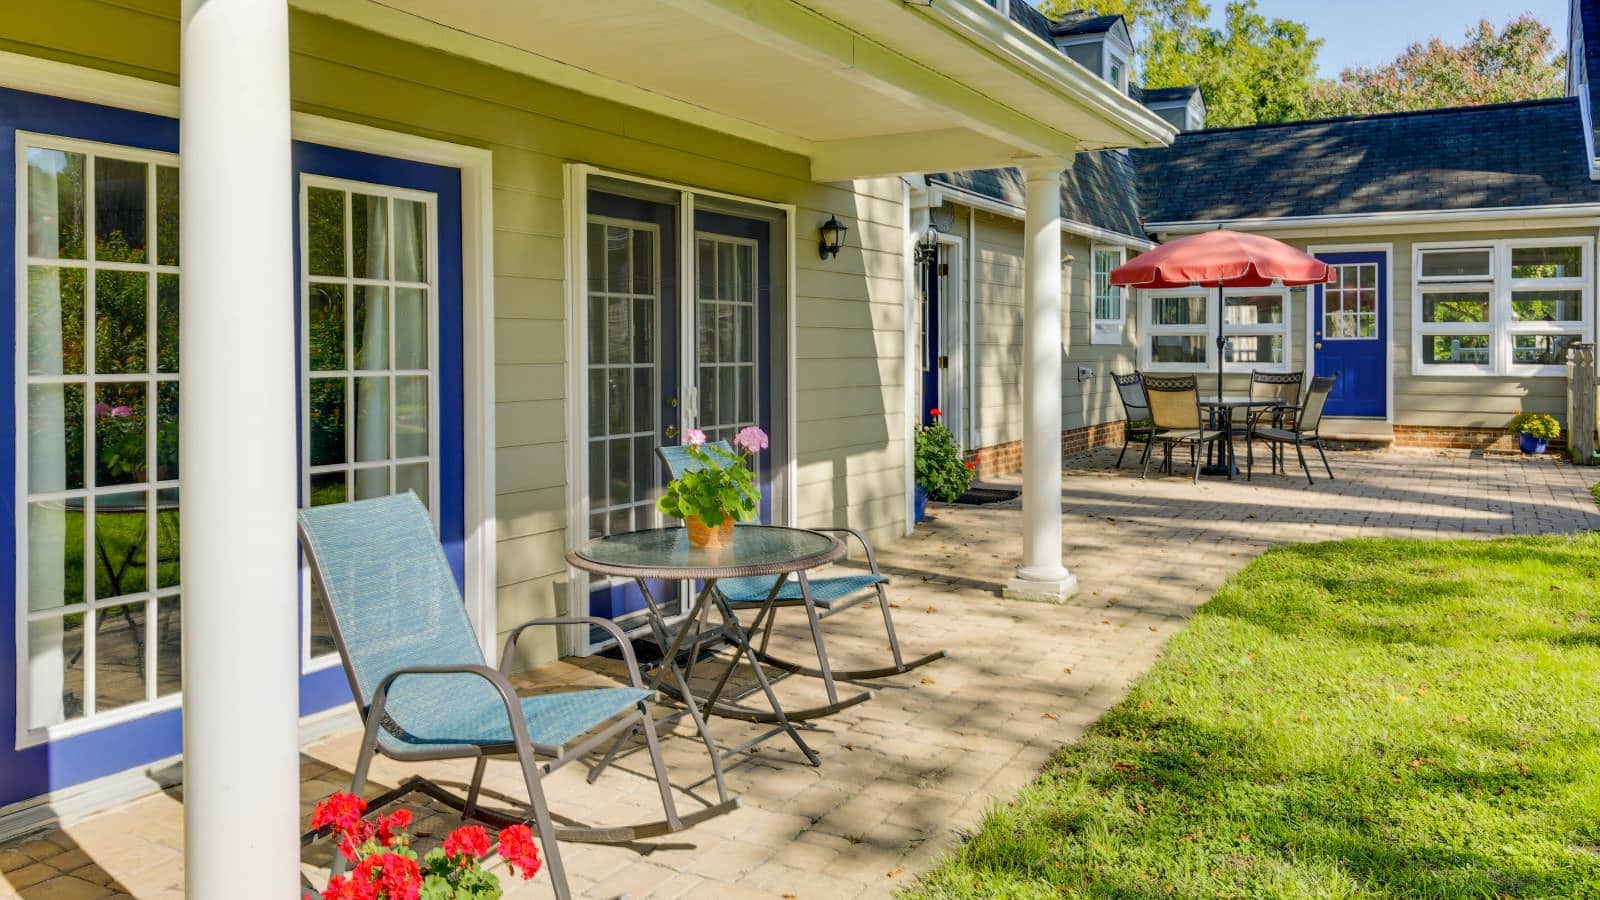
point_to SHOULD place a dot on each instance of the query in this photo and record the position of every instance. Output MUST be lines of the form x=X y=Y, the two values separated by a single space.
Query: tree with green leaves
x=1517 y=62
x=1253 y=69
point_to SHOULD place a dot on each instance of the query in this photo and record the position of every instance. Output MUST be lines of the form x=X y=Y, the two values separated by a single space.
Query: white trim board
x=1547 y=216
x=1387 y=249
x=27 y=73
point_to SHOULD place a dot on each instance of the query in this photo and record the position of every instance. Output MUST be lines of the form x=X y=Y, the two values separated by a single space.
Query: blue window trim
x=52 y=766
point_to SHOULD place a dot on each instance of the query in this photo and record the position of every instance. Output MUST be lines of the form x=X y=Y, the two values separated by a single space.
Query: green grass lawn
x=1363 y=718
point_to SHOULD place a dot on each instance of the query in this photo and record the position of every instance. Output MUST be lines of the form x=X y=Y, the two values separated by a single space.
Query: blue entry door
x=1350 y=333
x=932 y=351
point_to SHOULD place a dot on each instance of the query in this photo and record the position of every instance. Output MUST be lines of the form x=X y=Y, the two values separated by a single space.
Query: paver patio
x=904 y=773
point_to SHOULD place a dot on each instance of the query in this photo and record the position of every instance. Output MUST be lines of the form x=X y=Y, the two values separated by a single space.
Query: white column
x=1041 y=575
x=236 y=439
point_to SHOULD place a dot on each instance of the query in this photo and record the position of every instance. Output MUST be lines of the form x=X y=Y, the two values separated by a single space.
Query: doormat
x=982 y=496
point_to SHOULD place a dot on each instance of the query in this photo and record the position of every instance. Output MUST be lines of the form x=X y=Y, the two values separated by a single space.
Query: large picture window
x=1500 y=307
x=369 y=353
x=100 y=621
x=1179 y=331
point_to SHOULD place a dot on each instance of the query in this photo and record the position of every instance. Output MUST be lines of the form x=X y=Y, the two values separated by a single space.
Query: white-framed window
x=1508 y=307
x=369 y=354
x=99 y=617
x=1178 y=332
x=1109 y=314
x=1116 y=69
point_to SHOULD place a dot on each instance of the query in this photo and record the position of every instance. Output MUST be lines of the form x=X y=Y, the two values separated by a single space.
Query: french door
x=666 y=350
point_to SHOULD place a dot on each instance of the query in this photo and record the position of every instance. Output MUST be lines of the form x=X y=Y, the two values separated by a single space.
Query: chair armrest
x=508 y=694
x=605 y=624
x=872 y=561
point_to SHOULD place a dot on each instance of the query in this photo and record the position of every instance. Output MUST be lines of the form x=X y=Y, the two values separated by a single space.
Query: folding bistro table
x=1222 y=415
x=664 y=554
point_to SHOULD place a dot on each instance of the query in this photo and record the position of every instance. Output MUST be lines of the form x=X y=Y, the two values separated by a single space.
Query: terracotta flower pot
x=705 y=536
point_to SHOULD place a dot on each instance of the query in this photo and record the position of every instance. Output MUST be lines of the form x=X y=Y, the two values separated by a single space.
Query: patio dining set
x=1170 y=411
x=426 y=692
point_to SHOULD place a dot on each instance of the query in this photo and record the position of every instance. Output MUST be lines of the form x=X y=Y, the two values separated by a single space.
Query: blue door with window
x=1350 y=333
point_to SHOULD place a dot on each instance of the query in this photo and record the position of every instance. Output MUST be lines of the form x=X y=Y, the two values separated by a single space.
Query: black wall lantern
x=833 y=232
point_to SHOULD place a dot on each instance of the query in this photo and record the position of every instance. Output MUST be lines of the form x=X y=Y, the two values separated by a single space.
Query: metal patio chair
x=1177 y=418
x=1303 y=431
x=830 y=594
x=1284 y=387
x=1136 y=411
x=425 y=692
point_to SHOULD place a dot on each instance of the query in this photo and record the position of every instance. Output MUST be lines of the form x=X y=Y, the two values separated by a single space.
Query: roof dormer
x=1100 y=44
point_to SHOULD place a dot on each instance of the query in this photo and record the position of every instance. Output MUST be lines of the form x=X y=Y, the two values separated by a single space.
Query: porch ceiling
x=861 y=87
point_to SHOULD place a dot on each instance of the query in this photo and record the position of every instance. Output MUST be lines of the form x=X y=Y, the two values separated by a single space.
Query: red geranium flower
x=519 y=851
x=970 y=465
x=340 y=811
x=346 y=887
x=935 y=412
x=395 y=877
x=399 y=820
x=469 y=840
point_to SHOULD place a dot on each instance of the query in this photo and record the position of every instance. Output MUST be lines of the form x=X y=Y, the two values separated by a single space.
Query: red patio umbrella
x=1220 y=259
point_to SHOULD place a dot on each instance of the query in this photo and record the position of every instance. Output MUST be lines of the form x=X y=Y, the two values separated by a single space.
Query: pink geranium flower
x=751 y=440
x=694 y=437
x=102 y=409
x=121 y=412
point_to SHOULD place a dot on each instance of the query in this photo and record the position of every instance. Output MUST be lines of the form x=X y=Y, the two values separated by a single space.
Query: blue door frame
x=931 y=322
x=51 y=766
x=1360 y=363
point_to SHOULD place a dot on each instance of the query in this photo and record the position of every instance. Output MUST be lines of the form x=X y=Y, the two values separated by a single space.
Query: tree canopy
x=1255 y=69
x=1517 y=62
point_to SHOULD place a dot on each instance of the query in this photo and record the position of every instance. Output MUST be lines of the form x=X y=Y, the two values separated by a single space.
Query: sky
x=1369 y=32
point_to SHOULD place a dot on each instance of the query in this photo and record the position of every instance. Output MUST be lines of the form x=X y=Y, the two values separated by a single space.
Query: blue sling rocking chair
x=425 y=691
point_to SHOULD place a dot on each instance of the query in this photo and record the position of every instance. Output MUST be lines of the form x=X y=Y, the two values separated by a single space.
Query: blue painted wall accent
x=104 y=751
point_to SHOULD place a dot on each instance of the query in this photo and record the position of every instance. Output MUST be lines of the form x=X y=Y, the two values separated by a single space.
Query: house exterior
x=1465 y=259
x=494 y=253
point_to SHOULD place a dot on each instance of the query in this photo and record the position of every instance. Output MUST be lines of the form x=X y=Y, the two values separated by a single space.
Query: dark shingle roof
x=1037 y=22
x=1162 y=95
x=1083 y=22
x=1099 y=190
x=1504 y=155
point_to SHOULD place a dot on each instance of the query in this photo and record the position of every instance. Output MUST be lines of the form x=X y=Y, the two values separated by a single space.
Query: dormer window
x=1117 y=70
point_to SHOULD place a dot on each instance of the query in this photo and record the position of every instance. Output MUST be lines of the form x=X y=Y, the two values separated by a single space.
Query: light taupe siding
x=849 y=315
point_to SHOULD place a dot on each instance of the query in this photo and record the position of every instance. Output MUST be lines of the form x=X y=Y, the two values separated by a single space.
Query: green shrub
x=940 y=468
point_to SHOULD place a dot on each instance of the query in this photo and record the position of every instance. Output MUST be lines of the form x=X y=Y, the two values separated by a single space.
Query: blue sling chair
x=831 y=594
x=425 y=691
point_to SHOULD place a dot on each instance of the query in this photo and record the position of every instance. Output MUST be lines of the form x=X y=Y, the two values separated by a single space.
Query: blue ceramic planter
x=1530 y=444
x=921 y=502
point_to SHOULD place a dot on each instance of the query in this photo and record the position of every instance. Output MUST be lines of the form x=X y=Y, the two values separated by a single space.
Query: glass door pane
x=726 y=330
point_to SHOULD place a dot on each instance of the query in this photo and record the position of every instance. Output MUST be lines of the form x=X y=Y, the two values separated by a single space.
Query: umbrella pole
x=1222 y=340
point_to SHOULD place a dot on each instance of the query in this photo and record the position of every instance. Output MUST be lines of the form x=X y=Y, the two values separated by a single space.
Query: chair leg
x=1249 y=458
x=1126 y=438
x=1194 y=457
x=1301 y=451
x=472 y=790
x=358 y=783
x=888 y=619
x=654 y=744
x=816 y=638
x=542 y=822
x=1324 y=459
x=1147 y=448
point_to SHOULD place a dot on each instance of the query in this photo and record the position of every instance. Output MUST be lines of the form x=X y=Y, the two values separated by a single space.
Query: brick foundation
x=1449 y=438
x=1003 y=459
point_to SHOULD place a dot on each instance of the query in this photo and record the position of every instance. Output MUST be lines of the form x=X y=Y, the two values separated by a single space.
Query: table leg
x=743 y=642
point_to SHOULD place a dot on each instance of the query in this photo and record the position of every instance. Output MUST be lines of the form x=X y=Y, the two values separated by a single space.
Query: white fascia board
x=982 y=23
x=1580 y=213
x=938 y=192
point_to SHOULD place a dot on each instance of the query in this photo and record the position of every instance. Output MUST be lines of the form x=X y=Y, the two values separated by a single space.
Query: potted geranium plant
x=941 y=472
x=1534 y=431
x=386 y=868
x=719 y=491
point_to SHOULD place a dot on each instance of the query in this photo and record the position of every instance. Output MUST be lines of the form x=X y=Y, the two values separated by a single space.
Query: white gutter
x=987 y=27
x=938 y=192
x=1408 y=217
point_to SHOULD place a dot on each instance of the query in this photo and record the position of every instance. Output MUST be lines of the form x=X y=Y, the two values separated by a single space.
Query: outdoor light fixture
x=833 y=232
x=928 y=248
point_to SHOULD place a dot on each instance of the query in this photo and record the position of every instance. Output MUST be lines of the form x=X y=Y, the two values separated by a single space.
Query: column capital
x=1044 y=168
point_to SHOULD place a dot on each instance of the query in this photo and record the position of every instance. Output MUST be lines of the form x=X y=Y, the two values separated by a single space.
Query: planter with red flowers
x=387 y=868
x=942 y=474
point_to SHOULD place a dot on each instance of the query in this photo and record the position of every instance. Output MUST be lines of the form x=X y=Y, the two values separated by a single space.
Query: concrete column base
x=1055 y=590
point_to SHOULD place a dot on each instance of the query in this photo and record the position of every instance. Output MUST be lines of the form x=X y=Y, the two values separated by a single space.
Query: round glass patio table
x=665 y=554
